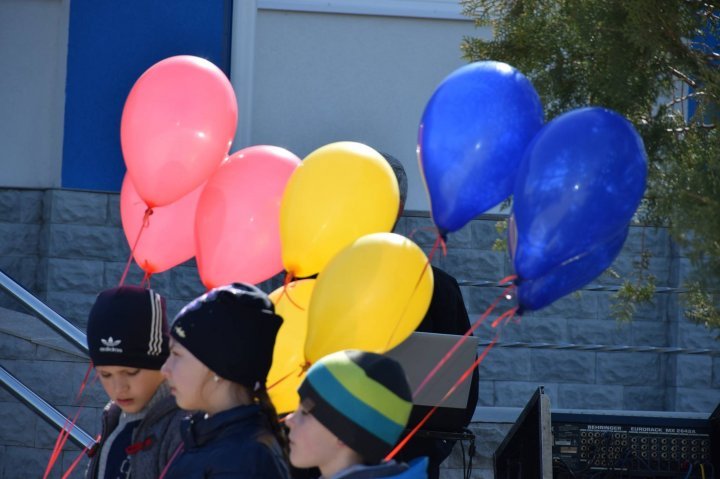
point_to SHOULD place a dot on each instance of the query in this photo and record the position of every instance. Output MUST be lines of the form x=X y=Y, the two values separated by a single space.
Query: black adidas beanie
x=127 y=326
x=231 y=329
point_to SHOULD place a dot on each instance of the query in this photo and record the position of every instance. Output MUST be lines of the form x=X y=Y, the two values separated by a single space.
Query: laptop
x=419 y=354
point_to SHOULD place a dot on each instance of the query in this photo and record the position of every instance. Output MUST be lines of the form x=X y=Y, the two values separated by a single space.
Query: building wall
x=326 y=77
x=33 y=54
x=65 y=246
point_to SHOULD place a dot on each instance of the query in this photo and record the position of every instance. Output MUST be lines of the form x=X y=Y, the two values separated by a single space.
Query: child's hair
x=232 y=329
x=268 y=409
x=362 y=398
x=127 y=326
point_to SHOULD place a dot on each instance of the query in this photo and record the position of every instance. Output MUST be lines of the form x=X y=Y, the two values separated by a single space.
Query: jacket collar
x=200 y=429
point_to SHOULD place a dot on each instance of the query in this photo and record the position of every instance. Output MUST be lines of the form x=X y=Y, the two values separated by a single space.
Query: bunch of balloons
x=369 y=288
x=579 y=184
x=351 y=283
x=183 y=196
x=575 y=182
x=249 y=215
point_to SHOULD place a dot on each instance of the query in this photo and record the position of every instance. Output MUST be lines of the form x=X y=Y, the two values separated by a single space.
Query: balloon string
x=172 y=458
x=438 y=241
x=75 y=463
x=145 y=283
x=407 y=304
x=300 y=367
x=461 y=340
x=507 y=315
x=68 y=426
x=285 y=291
x=145 y=224
x=464 y=376
x=508 y=279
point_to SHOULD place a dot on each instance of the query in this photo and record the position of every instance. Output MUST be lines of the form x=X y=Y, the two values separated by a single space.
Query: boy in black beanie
x=127 y=342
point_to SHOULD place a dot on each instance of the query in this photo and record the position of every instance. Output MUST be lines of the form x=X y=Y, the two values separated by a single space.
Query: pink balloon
x=177 y=126
x=237 y=232
x=168 y=239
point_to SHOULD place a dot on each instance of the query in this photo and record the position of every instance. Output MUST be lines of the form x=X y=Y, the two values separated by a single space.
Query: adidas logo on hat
x=110 y=345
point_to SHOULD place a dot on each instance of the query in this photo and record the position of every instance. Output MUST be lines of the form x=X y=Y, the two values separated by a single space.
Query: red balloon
x=177 y=126
x=168 y=239
x=237 y=221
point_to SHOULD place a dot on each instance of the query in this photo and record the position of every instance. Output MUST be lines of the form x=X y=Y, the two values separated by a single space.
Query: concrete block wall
x=54 y=370
x=65 y=246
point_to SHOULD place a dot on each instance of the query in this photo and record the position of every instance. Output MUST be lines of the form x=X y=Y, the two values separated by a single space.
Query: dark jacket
x=158 y=433
x=417 y=469
x=236 y=443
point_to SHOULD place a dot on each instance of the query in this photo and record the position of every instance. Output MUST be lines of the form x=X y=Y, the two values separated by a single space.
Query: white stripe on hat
x=155 y=344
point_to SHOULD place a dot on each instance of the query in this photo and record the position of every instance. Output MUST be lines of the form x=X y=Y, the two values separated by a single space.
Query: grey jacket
x=155 y=439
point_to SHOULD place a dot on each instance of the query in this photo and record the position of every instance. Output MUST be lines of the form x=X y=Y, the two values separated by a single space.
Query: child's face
x=129 y=388
x=312 y=444
x=187 y=378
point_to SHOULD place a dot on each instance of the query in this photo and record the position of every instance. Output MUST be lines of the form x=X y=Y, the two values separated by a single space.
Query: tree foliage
x=655 y=62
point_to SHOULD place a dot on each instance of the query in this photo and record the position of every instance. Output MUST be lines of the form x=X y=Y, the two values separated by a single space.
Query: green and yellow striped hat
x=362 y=398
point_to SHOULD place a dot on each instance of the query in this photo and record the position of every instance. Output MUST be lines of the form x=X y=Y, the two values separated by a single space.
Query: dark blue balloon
x=472 y=137
x=579 y=185
x=575 y=273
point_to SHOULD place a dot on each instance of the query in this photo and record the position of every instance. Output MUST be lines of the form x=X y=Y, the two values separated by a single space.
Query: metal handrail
x=61 y=325
x=43 y=409
x=26 y=395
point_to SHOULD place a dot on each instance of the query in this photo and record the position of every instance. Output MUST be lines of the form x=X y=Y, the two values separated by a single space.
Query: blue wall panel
x=111 y=43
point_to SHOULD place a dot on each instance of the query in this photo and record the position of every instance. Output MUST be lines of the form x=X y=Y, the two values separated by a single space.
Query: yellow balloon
x=339 y=193
x=286 y=372
x=371 y=296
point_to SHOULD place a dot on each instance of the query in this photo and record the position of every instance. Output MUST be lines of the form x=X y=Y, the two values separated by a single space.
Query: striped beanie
x=127 y=326
x=362 y=398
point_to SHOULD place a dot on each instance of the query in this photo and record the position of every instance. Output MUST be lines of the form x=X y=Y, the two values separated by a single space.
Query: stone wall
x=65 y=246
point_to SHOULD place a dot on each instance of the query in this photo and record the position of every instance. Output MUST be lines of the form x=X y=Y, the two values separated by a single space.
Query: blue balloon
x=578 y=185
x=575 y=273
x=472 y=137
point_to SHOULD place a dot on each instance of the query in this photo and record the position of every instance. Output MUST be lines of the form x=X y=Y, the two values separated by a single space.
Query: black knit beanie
x=127 y=326
x=231 y=330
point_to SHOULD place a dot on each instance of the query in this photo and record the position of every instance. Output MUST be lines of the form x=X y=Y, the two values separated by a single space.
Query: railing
x=43 y=409
x=24 y=394
x=61 y=325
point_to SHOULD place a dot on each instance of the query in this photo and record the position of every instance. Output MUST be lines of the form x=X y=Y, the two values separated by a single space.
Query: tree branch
x=683 y=77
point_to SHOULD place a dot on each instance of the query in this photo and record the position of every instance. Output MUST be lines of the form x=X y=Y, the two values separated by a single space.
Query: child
x=127 y=342
x=353 y=407
x=221 y=350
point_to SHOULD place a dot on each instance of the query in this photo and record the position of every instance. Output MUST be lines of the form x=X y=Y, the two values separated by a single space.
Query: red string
x=172 y=458
x=145 y=224
x=286 y=282
x=302 y=367
x=79 y=458
x=462 y=339
x=507 y=315
x=438 y=241
x=407 y=304
x=464 y=376
x=64 y=433
x=60 y=443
